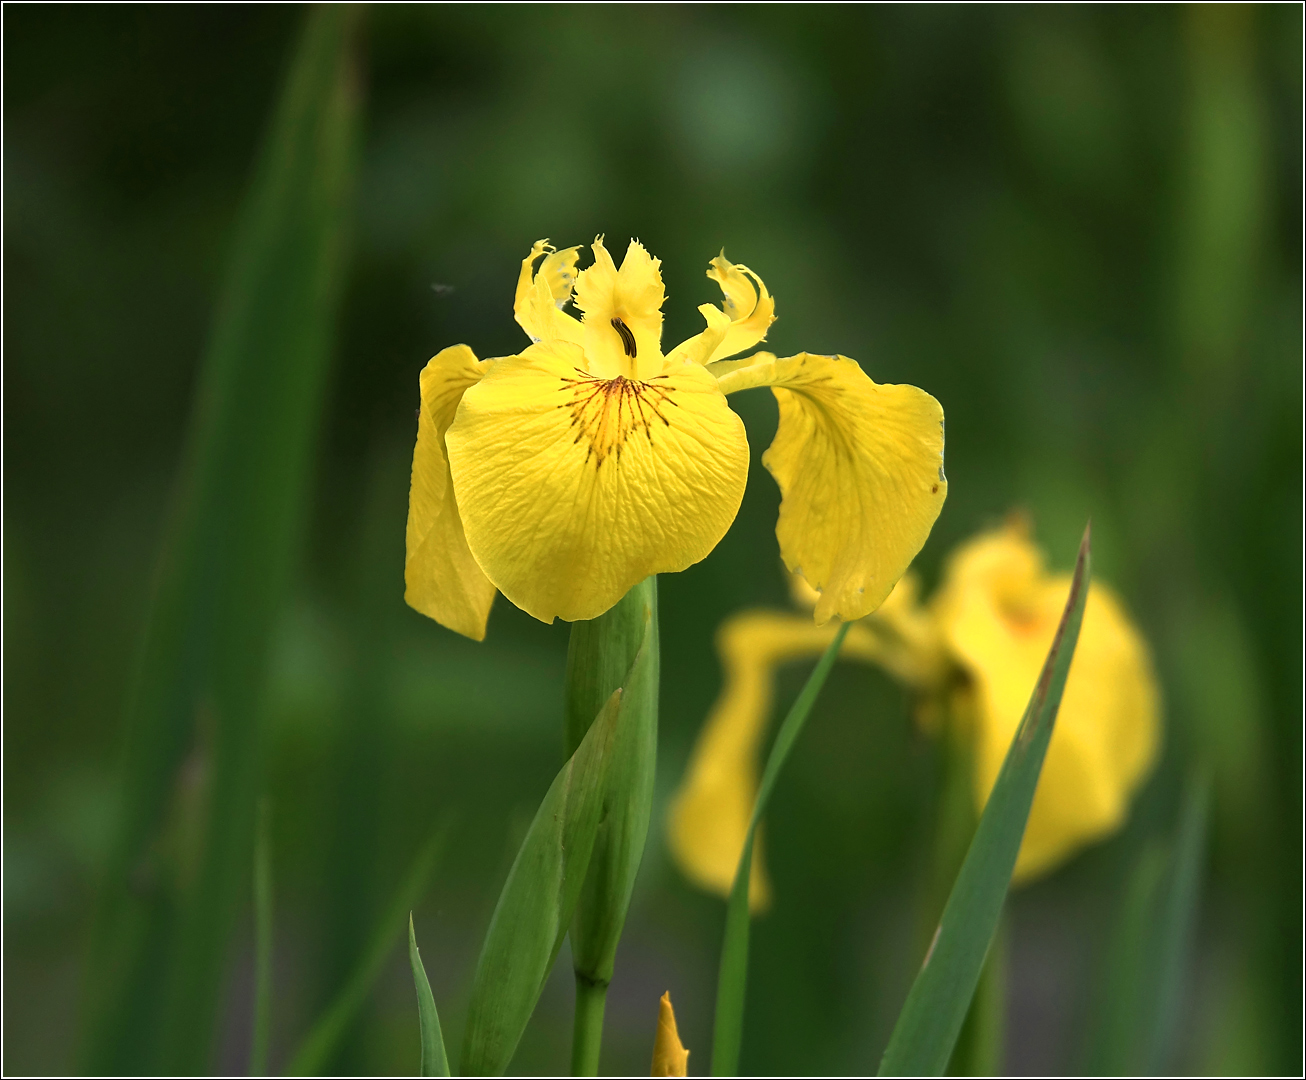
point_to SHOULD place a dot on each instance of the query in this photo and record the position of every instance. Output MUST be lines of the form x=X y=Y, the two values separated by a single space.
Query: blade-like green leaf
x=618 y=650
x=732 y=981
x=927 y=1028
x=1143 y=984
x=192 y=760
x=258 y=1054
x=321 y=1042
x=1178 y=918
x=434 y=1060
x=537 y=902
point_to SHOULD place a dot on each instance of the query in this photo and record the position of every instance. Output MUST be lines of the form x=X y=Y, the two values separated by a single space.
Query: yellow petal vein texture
x=860 y=470
x=442 y=578
x=670 y=1058
x=709 y=815
x=999 y=610
x=574 y=487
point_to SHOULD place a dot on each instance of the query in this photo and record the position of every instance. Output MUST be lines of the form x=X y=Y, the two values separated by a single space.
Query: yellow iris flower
x=568 y=473
x=975 y=651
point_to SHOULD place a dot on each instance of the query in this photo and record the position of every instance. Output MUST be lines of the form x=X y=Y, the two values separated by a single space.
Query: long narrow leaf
x=1178 y=917
x=537 y=902
x=732 y=981
x=435 y=1062
x=258 y=1054
x=321 y=1042
x=1142 y=984
x=192 y=759
x=927 y=1028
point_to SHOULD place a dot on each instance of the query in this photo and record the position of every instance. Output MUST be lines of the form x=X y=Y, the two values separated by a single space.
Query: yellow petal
x=709 y=814
x=542 y=295
x=670 y=1058
x=860 y=469
x=574 y=488
x=999 y=610
x=442 y=579
x=746 y=312
x=623 y=313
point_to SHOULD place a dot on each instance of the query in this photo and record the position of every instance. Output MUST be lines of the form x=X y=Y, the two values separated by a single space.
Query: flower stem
x=616 y=651
x=587 y=1034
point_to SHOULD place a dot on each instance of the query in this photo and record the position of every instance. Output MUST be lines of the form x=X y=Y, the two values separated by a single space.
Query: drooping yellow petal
x=999 y=610
x=670 y=1058
x=623 y=313
x=573 y=487
x=442 y=578
x=747 y=308
x=709 y=814
x=860 y=469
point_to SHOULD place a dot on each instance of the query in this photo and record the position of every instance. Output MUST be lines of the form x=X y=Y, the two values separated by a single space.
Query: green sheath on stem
x=618 y=650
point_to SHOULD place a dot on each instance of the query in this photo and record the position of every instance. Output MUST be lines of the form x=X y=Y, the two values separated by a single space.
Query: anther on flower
x=670 y=1058
x=976 y=650
x=567 y=473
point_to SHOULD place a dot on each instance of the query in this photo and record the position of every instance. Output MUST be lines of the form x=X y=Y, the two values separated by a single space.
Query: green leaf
x=1178 y=921
x=927 y=1028
x=258 y=1054
x=618 y=650
x=181 y=859
x=324 y=1038
x=537 y=902
x=732 y=982
x=1144 y=986
x=434 y=1060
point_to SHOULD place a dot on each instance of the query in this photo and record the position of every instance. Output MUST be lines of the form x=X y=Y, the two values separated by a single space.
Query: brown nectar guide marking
x=609 y=411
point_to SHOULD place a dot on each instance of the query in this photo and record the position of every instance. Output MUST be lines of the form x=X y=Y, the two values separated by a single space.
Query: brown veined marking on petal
x=606 y=411
x=627 y=336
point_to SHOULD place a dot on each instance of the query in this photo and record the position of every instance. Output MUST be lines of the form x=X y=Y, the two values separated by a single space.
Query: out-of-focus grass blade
x=927 y=1028
x=537 y=902
x=258 y=1054
x=732 y=981
x=434 y=1060
x=1142 y=991
x=191 y=765
x=321 y=1042
x=1115 y=1039
x=1178 y=919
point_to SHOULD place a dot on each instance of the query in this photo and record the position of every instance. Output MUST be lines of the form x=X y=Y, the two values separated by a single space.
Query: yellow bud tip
x=669 y=1057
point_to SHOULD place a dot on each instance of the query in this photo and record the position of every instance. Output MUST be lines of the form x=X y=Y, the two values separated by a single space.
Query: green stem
x=616 y=651
x=588 y=1032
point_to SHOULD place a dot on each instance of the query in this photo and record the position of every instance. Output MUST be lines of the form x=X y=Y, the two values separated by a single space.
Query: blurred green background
x=1079 y=228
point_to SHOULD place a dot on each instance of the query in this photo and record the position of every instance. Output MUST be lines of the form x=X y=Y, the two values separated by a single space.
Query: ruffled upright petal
x=742 y=320
x=709 y=815
x=541 y=295
x=574 y=487
x=442 y=579
x=999 y=610
x=860 y=470
x=623 y=312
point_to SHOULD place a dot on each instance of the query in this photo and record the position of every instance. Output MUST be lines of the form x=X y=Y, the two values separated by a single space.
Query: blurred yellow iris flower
x=566 y=474
x=974 y=652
